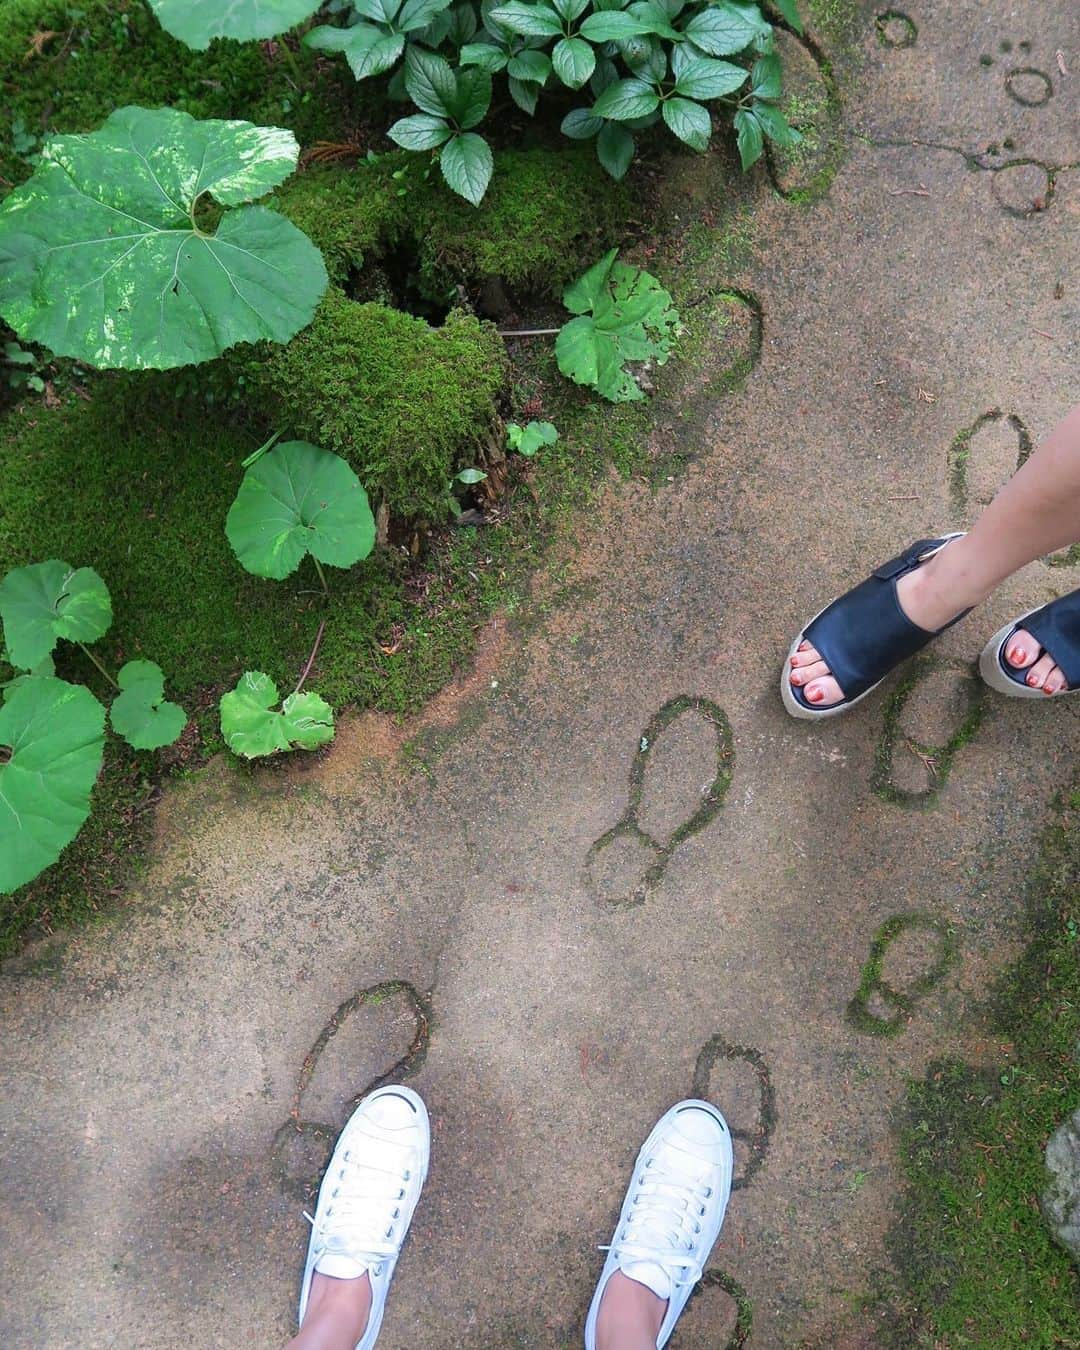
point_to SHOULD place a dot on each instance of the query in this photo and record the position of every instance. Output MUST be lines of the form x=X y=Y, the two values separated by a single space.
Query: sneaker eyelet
x=407 y=1176
x=708 y=1192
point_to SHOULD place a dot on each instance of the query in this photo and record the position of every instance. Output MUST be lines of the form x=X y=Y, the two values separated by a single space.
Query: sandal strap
x=1057 y=628
x=864 y=634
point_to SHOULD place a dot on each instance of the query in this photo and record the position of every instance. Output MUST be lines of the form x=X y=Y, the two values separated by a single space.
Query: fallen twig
x=920 y=191
x=528 y=332
x=1061 y=62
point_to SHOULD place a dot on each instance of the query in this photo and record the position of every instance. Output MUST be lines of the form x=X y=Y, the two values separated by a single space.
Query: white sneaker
x=673 y=1210
x=368 y=1195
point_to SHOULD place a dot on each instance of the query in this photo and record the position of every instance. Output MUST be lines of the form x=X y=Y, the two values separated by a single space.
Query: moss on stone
x=406 y=404
x=545 y=218
x=103 y=54
x=977 y=1265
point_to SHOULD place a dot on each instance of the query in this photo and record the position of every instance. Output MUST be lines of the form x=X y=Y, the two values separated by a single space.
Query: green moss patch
x=977 y=1263
x=546 y=214
x=404 y=403
x=65 y=67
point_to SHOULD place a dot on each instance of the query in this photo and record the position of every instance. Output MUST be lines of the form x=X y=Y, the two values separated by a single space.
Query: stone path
x=625 y=875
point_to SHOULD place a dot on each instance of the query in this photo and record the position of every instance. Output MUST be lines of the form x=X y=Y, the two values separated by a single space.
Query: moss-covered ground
x=134 y=474
x=976 y=1263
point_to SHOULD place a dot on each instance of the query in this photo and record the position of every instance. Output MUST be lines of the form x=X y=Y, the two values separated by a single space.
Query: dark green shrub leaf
x=140 y=713
x=55 y=733
x=725 y=28
x=751 y=138
x=790 y=10
x=532 y=65
x=766 y=78
x=252 y=727
x=704 y=78
x=470 y=477
x=574 y=61
x=615 y=149
x=632 y=319
x=485 y=55
x=605 y=74
x=570 y=9
x=295 y=500
x=610 y=25
x=50 y=600
x=525 y=95
x=106 y=226
x=626 y=99
x=529 y=20
x=472 y=97
x=369 y=50
x=774 y=124
x=420 y=132
x=198 y=22
x=430 y=82
x=656 y=17
x=466 y=165
x=581 y=125
x=416 y=14
x=689 y=121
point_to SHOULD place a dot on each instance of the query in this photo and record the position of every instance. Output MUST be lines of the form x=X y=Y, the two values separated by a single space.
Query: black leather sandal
x=864 y=634
x=1056 y=628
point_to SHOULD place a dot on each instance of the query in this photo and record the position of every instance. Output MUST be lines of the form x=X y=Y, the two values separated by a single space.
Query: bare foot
x=925 y=603
x=1023 y=652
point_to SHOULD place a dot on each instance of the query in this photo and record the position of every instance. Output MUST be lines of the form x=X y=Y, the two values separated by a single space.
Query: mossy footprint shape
x=895 y=29
x=982 y=457
x=739 y=1317
x=737 y=1080
x=804 y=171
x=1023 y=188
x=1029 y=86
x=910 y=954
x=934 y=710
x=677 y=784
x=720 y=347
x=391 y=1013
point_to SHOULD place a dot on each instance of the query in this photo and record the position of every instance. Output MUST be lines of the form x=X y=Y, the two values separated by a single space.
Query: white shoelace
x=363 y=1209
x=664 y=1224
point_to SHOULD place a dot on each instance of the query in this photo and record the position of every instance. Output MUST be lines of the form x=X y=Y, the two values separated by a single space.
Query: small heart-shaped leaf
x=252 y=727
x=295 y=500
x=140 y=713
x=54 y=735
x=47 y=601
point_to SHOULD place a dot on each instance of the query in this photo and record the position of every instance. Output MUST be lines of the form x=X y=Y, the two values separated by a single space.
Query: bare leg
x=630 y=1315
x=1035 y=513
x=337 y=1313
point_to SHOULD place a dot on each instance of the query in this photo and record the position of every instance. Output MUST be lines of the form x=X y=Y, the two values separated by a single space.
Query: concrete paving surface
x=620 y=875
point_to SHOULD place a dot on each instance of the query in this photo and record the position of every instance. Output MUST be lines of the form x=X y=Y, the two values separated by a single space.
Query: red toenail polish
x=814 y=696
x=796 y=678
x=1032 y=681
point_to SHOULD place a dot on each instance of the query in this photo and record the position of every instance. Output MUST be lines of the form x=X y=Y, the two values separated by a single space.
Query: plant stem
x=322 y=575
x=93 y=658
x=529 y=332
x=311 y=659
x=290 y=58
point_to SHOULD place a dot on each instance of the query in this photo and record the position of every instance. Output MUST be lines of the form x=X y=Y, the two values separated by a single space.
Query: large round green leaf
x=51 y=743
x=103 y=258
x=47 y=601
x=295 y=500
x=140 y=712
x=253 y=728
x=197 y=22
